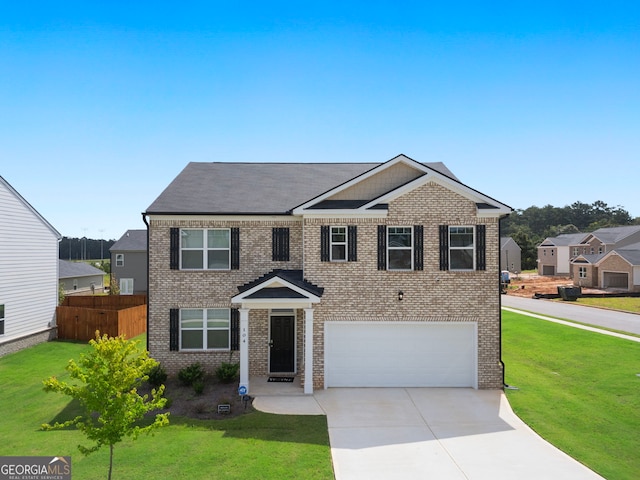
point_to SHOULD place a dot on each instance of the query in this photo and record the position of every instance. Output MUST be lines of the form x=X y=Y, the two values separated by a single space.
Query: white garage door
x=400 y=354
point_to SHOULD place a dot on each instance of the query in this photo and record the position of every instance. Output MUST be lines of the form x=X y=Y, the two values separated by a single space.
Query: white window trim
x=410 y=248
x=582 y=272
x=332 y=243
x=119 y=259
x=472 y=248
x=128 y=282
x=205 y=249
x=204 y=331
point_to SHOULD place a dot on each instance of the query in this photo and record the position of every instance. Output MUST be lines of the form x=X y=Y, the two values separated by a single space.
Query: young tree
x=108 y=378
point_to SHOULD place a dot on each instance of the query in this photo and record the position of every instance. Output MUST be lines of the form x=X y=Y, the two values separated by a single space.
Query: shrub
x=157 y=376
x=227 y=372
x=198 y=387
x=191 y=374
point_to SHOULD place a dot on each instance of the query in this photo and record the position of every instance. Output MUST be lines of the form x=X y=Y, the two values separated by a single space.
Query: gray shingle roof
x=630 y=253
x=131 y=241
x=258 y=188
x=77 y=269
x=564 y=240
x=610 y=235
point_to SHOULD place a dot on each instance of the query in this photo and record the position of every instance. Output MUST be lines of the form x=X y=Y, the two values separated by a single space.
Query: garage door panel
x=369 y=354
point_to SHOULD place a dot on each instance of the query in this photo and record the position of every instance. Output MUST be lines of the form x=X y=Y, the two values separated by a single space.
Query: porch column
x=244 y=351
x=308 y=350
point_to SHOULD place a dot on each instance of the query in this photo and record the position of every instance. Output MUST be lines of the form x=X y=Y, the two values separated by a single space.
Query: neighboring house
x=617 y=269
x=129 y=262
x=593 y=266
x=555 y=254
x=510 y=255
x=344 y=274
x=620 y=268
x=28 y=273
x=80 y=278
x=605 y=240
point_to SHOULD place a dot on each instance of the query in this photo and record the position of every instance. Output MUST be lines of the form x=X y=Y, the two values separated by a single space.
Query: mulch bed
x=184 y=402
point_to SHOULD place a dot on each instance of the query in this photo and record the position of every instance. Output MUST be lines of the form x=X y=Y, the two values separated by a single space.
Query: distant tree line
x=531 y=226
x=84 y=249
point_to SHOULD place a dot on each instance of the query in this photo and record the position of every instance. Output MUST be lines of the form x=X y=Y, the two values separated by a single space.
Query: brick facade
x=352 y=290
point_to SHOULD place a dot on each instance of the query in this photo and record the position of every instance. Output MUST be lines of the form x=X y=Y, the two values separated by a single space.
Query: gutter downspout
x=144 y=219
x=504 y=385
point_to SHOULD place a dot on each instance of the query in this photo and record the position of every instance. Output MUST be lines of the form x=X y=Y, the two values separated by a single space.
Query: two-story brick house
x=344 y=274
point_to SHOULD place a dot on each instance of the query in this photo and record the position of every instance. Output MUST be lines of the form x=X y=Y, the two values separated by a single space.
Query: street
x=625 y=322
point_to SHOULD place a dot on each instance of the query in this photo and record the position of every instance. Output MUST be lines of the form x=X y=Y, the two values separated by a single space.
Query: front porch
x=283 y=294
x=262 y=387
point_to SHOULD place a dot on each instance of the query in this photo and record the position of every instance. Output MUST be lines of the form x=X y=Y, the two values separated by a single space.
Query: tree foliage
x=531 y=226
x=107 y=382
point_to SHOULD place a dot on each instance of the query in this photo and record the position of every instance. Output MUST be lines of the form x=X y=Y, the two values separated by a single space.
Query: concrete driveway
x=428 y=433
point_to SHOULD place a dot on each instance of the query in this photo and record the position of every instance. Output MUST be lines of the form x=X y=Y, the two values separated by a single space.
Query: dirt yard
x=527 y=284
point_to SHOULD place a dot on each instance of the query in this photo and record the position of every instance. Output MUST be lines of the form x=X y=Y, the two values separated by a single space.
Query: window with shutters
x=205 y=329
x=205 y=249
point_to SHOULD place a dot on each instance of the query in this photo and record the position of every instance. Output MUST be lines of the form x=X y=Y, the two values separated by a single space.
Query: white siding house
x=28 y=273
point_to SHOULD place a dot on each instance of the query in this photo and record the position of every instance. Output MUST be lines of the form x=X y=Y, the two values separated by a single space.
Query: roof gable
x=29 y=207
x=390 y=180
x=279 y=286
x=630 y=253
x=132 y=240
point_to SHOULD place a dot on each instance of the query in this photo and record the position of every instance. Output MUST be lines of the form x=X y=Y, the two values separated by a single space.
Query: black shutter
x=235 y=329
x=481 y=247
x=324 y=243
x=174 y=329
x=174 y=249
x=235 y=248
x=280 y=244
x=444 y=247
x=382 y=247
x=352 y=242
x=418 y=247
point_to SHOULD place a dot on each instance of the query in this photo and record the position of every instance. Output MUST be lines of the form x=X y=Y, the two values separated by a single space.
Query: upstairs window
x=205 y=249
x=119 y=259
x=338 y=244
x=461 y=248
x=399 y=248
x=280 y=244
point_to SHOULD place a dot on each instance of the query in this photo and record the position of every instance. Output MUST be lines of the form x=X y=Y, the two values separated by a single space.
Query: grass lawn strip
x=579 y=390
x=255 y=445
x=583 y=326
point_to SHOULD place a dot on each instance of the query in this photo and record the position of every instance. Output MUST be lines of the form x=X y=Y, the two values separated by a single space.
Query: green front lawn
x=626 y=304
x=579 y=390
x=255 y=445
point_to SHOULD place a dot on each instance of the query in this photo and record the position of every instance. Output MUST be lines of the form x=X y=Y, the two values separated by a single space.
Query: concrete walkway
x=434 y=433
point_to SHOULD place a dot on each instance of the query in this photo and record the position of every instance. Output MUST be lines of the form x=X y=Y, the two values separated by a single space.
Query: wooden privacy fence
x=109 y=317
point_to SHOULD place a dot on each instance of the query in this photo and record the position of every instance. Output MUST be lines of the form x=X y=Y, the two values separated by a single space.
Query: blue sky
x=103 y=103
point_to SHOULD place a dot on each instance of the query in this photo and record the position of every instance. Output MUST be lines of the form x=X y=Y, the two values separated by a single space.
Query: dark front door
x=282 y=345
